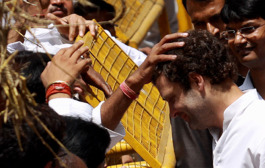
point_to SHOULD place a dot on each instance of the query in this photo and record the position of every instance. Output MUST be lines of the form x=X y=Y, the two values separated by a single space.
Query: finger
x=166 y=47
x=146 y=50
x=106 y=89
x=69 y=52
x=91 y=25
x=173 y=36
x=164 y=58
x=54 y=18
x=84 y=65
x=88 y=60
x=82 y=27
x=73 y=29
x=169 y=46
x=78 y=53
x=82 y=93
x=78 y=89
x=87 y=54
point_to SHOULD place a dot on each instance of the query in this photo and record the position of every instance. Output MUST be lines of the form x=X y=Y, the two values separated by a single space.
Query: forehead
x=245 y=23
x=203 y=11
x=166 y=87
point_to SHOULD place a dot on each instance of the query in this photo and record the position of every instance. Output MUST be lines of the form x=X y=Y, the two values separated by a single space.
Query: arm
x=66 y=65
x=93 y=78
x=115 y=106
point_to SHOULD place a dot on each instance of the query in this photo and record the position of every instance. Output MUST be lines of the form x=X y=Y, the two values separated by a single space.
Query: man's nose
x=239 y=39
x=212 y=29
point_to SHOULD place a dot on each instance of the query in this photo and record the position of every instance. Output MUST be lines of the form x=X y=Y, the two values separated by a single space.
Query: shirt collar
x=247 y=83
x=239 y=105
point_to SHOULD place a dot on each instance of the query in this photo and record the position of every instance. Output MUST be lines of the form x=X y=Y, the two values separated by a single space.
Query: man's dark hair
x=238 y=10
x=31 y=65
x=87 y=140
x=35 y=153
x=203 y=54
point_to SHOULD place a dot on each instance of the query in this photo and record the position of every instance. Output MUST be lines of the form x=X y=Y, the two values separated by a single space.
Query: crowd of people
x=212 y=78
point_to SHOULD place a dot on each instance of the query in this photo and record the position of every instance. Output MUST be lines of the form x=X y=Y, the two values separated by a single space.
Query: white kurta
x=247 y=84
x=242 y=144
x=52 y=41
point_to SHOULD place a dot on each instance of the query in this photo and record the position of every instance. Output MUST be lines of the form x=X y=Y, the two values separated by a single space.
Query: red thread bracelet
x=128 y=91
x=57 y=87
x=58 y=81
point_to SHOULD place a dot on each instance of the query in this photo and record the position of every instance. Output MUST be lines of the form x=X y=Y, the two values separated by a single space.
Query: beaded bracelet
x=128 y=91
x=58 y=87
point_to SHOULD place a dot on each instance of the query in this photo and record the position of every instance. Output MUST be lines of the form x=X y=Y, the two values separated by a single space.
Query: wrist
x=131 y=94
x=58 y=89
x=58 y=95
x=135 y=82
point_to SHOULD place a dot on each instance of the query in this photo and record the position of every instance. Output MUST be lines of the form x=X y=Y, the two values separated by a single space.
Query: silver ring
x=82 y=57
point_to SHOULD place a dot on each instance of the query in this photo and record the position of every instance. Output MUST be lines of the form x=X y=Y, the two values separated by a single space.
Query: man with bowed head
x=199 y=87
x=193 y=148
x=195 y=74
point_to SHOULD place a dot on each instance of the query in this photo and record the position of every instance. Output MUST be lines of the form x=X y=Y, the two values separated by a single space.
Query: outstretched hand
x=66 y=65
x=77 y=25
x=95 y=79
x=115 y=106
x=144 y=73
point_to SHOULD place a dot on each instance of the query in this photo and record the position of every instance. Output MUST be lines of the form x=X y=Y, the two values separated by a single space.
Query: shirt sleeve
x=74 y=108
x=12 y=47
x=115 y=135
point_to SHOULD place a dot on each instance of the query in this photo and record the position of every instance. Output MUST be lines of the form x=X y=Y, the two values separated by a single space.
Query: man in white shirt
x=53 y=39
x=245 y=34
x=199 y=88
x=193 y=148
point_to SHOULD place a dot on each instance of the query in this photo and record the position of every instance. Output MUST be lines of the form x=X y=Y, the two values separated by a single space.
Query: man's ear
x=196 y=81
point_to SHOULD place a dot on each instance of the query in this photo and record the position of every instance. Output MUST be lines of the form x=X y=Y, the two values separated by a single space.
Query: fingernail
x=174 y=56
x=81 y=34
x=81 y=41
x=181 y=43
x=185 y=34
